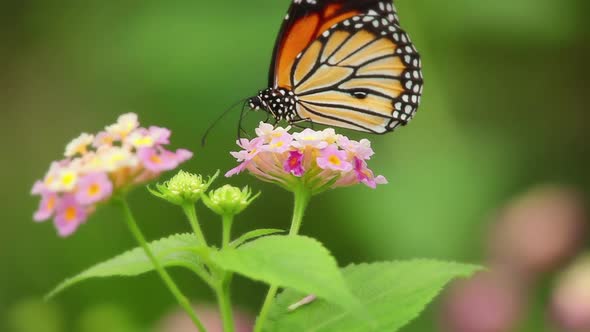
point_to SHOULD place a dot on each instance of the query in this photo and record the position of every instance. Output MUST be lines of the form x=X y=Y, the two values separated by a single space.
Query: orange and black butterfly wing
x=360 y=72
x=305 y=21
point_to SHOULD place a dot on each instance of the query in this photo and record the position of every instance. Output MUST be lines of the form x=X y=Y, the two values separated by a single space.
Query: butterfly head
x=279 y=102
x=255 y=103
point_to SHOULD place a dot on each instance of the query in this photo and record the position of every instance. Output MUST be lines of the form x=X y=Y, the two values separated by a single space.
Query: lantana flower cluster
x=319 y=160
x=98 y=166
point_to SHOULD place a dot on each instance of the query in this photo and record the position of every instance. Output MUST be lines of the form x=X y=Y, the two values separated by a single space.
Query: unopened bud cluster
x=229 y=200
x=183 y=188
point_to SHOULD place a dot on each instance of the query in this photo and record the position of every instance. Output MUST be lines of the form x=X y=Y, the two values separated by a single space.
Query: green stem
x=223 y=290
x=302 y=198
x=270 y=295
x=228 y=220
x=224 y=300
x=136 y=232
x=191 y=214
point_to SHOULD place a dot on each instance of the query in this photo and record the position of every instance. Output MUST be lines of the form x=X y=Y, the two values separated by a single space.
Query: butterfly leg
x=296 y=123
x=275 y=124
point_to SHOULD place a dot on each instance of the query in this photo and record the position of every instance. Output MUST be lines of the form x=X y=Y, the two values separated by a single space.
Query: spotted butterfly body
x=343 y=63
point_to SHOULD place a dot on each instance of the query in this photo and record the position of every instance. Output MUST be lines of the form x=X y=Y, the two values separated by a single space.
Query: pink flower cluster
x=97 y=166
x=321 y=159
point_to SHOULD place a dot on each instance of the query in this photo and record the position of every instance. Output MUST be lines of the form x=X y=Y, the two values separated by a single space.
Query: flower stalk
x=166 y=278
x=301 y=200
x=227 y=202
x=227 y=220
x=302 y=196
x=191 y=215
x=223 y=291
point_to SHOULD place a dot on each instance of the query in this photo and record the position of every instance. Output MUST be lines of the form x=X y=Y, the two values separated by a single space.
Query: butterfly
x=343 y=63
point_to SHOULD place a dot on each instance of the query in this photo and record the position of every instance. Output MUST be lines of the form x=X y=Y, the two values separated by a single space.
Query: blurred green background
x=504 y=110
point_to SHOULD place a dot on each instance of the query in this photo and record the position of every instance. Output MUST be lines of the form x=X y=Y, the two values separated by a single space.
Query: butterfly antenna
x=221 y=116
x=242 y=116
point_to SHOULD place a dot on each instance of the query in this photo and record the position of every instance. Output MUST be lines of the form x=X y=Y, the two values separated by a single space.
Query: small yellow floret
x=145 y=141
x=51 y=203
x=124 y=126
x=334 y=160
x=49 y=180
x=66 y=180
x=93 y=189
x=156 y=159
x=115 y=158
x=71 y=214
x=79 y=145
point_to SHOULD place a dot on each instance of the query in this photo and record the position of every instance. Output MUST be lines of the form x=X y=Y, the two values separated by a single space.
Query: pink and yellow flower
x=160 y=160
x=98 y=166
x=46 y=206
x=250 y=148
x=318 y=160
x=267 y=131
x=294 y=163
x=66 y=179
x=126 y=123
x=280 y=144
x=365 y=175
x=93 y=188
x=70 y=214
x=334 y=159
x=79 y=145
x=310 y=138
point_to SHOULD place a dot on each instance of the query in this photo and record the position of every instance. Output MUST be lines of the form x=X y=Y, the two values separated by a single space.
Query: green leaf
x=254 y=234
x=293 y=261
x=176 y=250
x=392 y=293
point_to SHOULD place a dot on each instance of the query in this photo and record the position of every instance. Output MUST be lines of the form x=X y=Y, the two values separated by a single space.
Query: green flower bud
x=183 y=188
x=229 y=200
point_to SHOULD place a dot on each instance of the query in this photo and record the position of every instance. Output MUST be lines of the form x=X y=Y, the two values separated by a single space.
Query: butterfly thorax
x=279 y=102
